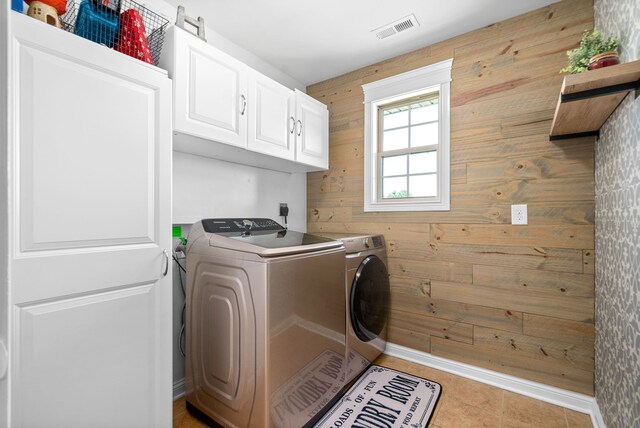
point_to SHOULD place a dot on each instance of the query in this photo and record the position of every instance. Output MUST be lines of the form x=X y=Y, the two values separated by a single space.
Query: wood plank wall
x=467 y=285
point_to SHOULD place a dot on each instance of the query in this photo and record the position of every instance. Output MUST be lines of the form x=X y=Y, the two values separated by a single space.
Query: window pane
x=424 y=135
x=427 y=113
x=394 y=187
x=423 y=185
x=394 y=165
x=395 y=118
x=420 y=163
x=394 y=140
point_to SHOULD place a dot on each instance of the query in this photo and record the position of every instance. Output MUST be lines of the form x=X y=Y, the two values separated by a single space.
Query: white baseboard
x=596 y=416
x=178 y=389
x=550 y=394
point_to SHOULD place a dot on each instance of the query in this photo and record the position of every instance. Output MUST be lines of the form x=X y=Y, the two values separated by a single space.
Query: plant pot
x=605 y=59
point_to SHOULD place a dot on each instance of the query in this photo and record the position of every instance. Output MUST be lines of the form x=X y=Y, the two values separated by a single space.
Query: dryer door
x=370 y=295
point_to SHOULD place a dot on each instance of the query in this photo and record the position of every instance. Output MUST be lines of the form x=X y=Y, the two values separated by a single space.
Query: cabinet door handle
x=244 y=104
x=166 y=263
x=293 y=125
x=300 y=129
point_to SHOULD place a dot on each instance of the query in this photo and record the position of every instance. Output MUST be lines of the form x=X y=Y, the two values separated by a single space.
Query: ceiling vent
x=402 y=24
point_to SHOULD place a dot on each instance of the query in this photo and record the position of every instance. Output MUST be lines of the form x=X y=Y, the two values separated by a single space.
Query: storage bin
x=97 y=24
x=17 y=5
x=101 y=21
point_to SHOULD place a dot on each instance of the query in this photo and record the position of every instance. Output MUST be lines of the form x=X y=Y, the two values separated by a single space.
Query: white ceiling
x=315 y=40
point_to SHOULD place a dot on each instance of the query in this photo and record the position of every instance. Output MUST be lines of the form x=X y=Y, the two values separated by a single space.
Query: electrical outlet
x=519 y=214
x=284 y=210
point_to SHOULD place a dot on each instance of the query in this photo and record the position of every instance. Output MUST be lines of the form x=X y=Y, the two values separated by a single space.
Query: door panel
x=60 y=377
x=91 y=198
x=211 y=92
x=69 y=178
x=312 y=146
x=270 y=118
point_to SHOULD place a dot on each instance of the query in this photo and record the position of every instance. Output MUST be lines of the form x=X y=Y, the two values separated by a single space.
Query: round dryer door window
x=370 y=296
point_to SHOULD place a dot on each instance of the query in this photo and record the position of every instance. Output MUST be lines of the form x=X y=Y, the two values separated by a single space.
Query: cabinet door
x=210 y=91
x=90 y=291
x=312 y=131
x=271 y=120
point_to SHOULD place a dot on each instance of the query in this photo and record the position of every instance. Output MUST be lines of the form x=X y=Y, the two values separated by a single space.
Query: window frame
x=422 y=81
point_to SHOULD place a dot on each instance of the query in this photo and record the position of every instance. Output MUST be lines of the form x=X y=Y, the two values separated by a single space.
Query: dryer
x=265 y=323
x=368 y=294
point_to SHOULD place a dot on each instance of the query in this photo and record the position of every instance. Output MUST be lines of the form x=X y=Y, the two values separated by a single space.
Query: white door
x=90 y=291
x=312 y=131
x=271 y=122
x=210 y=91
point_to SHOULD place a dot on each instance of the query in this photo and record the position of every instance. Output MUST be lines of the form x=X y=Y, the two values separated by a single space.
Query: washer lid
x=264 y=237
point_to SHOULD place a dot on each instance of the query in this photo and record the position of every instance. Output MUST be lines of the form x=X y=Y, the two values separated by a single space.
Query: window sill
x=406 y=206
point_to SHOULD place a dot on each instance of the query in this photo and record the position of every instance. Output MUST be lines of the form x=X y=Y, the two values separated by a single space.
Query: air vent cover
x=402 y=24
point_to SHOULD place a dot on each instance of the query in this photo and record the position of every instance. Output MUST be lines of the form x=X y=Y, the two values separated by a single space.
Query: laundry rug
x=384 y=398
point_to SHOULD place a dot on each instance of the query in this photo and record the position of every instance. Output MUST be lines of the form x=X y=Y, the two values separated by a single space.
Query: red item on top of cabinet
x=132 y=40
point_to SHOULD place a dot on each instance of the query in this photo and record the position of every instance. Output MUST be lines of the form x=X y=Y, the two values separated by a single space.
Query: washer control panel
x=240 y=225
x=356 y=244
x=377 y=241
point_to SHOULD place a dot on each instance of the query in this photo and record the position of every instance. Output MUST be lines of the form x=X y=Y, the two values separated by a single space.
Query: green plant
x=592 y=44
x=398 y=194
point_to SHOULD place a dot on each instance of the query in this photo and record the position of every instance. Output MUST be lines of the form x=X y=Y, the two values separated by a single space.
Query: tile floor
x=464 y=403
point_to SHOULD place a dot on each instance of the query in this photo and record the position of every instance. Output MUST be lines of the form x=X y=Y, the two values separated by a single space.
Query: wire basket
x=123 y=25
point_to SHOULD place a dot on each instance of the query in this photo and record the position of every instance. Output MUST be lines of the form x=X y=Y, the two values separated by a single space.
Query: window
x=408 y=148
x=407 y=141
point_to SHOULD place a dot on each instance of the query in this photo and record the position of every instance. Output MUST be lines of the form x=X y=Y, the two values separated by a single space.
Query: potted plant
x=593 y=52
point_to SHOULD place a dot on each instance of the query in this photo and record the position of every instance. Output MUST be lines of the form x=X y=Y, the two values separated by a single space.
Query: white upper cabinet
x=271 y=120
x=224 y=109
x=311 y=131
x=210 y=90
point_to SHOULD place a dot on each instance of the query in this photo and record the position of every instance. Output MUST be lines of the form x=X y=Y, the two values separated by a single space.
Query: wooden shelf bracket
x=597 y=92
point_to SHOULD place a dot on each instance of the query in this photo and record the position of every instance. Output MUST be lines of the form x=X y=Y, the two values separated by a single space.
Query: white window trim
x=422 y=80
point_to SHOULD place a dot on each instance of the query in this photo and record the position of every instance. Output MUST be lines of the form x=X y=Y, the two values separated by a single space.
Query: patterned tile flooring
x=464 y=403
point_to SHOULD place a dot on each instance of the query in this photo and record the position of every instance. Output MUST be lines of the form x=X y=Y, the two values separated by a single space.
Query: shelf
x=588 y=99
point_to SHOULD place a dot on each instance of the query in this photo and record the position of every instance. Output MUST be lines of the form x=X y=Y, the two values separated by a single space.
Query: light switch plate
x=519 y=214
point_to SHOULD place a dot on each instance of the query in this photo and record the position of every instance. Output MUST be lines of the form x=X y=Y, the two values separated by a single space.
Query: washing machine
x=265 y=324
x=368 y=295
